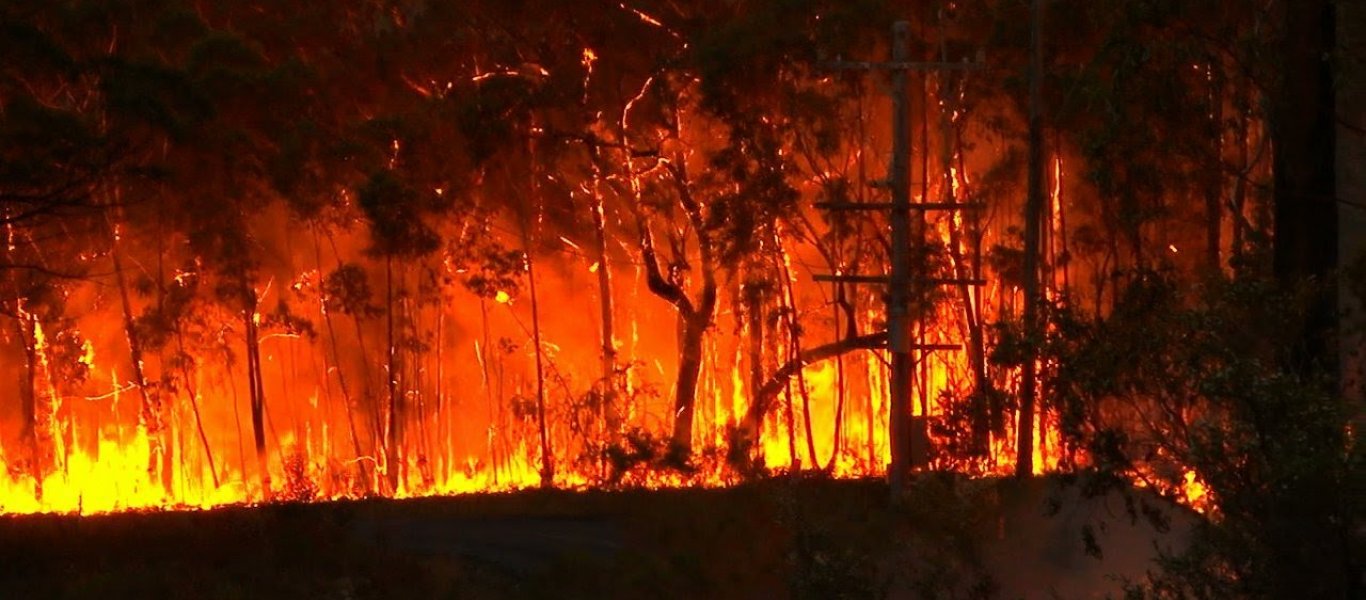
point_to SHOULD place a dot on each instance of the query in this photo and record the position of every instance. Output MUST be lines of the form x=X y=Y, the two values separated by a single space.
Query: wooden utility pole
x=1033 y=218
x=899 y=281
x=899 y=292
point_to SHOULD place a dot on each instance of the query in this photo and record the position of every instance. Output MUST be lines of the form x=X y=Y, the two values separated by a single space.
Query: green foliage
x=1212 y=382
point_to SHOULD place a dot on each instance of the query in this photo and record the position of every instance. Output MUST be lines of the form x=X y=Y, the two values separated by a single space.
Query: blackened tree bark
x=1303 y=131
x=1024 y=443
x=255 y=384
x=1310 y=549
x=694 y=316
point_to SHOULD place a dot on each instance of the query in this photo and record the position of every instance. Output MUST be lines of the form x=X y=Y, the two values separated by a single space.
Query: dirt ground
x=808 y=538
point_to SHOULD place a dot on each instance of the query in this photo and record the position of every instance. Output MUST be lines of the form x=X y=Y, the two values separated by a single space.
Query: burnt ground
x=771 y=539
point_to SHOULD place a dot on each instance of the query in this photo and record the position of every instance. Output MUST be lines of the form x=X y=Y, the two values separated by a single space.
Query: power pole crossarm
x=880 y=279
x=895 y=65
x=888 y=206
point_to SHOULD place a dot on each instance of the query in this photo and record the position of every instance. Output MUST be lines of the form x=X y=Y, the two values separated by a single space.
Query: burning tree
x=424 y=247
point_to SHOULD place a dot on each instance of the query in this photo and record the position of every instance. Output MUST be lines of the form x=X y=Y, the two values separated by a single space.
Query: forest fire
x=102 y=457
x=419 y=327
x=490 y=265
x=177 y=433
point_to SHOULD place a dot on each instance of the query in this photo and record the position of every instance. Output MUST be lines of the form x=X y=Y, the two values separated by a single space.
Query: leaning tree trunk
x=775 y=383
x=151 y=413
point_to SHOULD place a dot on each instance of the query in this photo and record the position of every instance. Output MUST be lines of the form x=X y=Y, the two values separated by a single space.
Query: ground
x=808 y=538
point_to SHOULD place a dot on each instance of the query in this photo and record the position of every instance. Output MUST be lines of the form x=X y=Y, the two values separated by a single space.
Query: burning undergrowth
x=564 y=251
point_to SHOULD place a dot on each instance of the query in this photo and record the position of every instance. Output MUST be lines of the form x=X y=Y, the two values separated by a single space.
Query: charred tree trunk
x=685 y=388
x=1304 y=144
x=444 y=432
x=695 y=317
x=840 y=393
x=28 y=402
x=151 y=407
x=190 y=393
x=1214 y=174
x=976 y=349
x=1024 y=443
x=255 y=386
x=547 y=456
x=795 y=345
x=743 y=446
x=1238 y=200
x=1304 y=528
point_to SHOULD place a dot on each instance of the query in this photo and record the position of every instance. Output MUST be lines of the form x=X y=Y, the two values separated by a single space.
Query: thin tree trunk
x=237 y=422
x=151 y=414
x=256 y=387
x=491 y=433
x=795 y=345
x=1063 y=261
x=362 y=471
x=417 y=383
x=194 y=406
x=1214 y=172
x=610 y=416
x=1239 y=200
x=443 y=429
x=28 y=402
x=1024 y=453
x=393 y=462
x=754 y=301
x=976 y=350
x=839 y=385
x=547 y=457
x=367 y=378
x=151 y=407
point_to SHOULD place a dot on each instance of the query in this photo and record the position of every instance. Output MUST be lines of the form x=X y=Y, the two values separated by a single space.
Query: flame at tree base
x=117 y=472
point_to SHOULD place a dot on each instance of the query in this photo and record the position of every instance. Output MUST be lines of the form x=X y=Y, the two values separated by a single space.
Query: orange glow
x=1194 y=493
x=427 y=389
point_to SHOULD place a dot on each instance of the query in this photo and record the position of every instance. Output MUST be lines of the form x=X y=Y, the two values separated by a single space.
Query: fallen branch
x=748 y=431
